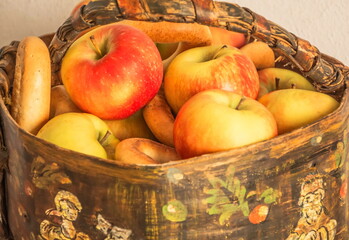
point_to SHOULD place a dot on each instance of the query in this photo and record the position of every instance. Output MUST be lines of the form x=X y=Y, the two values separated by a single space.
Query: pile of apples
x=222 y=96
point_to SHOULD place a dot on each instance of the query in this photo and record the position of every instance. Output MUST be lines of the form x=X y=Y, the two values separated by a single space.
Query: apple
x=112 y=71
x=209 y=67
x=218 y=120
x=295 y=108
x=60 y=102
x=271 y=79
x=81 y=132
x=260 y=53
x=222 y=36
x=133 y=126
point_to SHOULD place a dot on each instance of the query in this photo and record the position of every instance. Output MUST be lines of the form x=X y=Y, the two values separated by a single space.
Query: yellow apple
x=271 y=79
x=295 y=108
x=81 y=132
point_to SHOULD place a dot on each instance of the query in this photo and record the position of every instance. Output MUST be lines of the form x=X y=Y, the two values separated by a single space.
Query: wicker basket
x=299 y=184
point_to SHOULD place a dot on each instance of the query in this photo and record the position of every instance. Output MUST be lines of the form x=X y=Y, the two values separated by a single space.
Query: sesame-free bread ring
x=30 y=106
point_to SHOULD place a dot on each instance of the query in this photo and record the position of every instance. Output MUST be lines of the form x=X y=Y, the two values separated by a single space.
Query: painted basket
x=290 y=187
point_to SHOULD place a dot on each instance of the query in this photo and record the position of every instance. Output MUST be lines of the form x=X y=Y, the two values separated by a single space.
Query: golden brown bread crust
x=30 y=106
x=159 y=118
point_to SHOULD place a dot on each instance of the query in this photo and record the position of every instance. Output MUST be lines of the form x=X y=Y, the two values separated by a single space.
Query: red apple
x=209 y=67
x=112 y=71
x=217 y=120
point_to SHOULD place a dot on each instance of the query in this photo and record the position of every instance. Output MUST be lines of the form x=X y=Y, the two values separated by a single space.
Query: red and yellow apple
x=271 y=79
x=209 y=67
x=295 y=108
x=112 y=71
x=218 y=120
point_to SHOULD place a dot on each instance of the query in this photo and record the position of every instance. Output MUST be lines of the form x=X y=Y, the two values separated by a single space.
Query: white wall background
x=324 y=23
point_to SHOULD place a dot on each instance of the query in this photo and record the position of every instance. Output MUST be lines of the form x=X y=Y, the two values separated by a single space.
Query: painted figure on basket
x=314 y=223
x=67 y=209
x=112 y=232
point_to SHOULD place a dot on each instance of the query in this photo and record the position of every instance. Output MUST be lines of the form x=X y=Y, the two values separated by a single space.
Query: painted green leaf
x=175 y=211
x=228 y=211
x=217 y=182
x=245 y=209
x=213 y=191
x=269 y=195
x=267 y=192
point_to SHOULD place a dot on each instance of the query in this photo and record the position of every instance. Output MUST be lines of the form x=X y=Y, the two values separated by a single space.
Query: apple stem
x=105 y=137
x=240 y=102
x=97 y=49
x=218 y=52
x=277 y=83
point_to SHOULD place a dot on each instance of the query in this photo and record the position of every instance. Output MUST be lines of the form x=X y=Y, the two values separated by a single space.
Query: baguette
x=30 y=106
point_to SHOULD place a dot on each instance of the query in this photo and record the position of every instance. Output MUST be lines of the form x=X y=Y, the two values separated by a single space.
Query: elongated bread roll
x=159 y=118
x=30 y=106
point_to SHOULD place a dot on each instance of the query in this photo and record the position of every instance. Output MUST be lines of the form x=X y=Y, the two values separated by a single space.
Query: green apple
x=295 y=108
x=81 y=132
x=218 y=120
x=271 y=79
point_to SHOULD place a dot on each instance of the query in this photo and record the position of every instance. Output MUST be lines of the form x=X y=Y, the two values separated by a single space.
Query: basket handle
x=7 y=69
x=327 y=74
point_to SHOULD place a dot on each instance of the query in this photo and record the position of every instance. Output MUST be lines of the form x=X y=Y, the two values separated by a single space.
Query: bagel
x=159 y=118
x=30 y=106
x=144 y=151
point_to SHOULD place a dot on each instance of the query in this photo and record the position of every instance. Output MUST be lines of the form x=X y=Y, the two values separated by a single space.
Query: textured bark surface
x=215 y=196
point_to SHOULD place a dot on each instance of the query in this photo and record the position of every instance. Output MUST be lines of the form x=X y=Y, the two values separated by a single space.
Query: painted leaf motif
x=175 y=211
x=217 y=182
x=228 y=211
x=269 y=195
x=245 y=208
x=227 y=196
